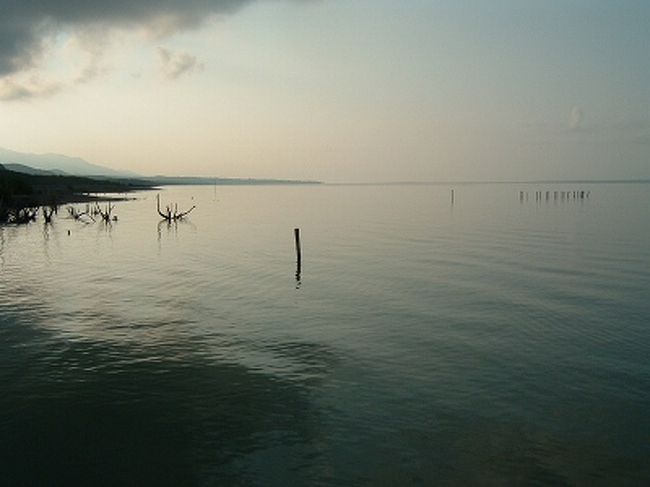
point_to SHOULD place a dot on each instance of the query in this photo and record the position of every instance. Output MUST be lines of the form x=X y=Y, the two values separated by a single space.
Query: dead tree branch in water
x=77 y=215
x=48 y=212
x=171 y=214
x=22 y=215
x=106 y=214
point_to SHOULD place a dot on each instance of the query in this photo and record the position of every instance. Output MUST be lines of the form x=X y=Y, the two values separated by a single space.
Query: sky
x=332 y=90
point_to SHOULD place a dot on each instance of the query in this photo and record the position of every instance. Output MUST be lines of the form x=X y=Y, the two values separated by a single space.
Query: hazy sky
x=335 y=90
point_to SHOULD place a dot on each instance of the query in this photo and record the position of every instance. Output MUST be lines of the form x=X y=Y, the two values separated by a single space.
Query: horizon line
x=461 y=182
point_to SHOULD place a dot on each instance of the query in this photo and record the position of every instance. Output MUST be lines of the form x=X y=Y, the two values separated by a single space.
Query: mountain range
x=60 y=165
x=56 y=164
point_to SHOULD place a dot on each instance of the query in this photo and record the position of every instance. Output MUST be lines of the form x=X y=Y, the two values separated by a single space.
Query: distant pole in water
x=452 y=196
x=296 y=234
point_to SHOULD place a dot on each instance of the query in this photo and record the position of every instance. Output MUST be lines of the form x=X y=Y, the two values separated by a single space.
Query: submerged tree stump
x=171 y=214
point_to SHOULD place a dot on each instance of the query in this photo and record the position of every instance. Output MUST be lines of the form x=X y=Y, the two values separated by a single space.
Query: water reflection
x=480 y=348
x=2 y=246
x=170 y=227
x=47 y=232
x=93 y=412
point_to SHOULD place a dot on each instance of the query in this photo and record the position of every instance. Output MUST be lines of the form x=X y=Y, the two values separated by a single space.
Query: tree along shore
x=20 y=193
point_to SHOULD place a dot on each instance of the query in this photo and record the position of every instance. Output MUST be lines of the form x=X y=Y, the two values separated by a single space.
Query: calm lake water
x=494 y=341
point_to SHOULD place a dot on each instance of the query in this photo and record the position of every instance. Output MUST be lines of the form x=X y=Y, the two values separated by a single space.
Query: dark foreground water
x=492 y=342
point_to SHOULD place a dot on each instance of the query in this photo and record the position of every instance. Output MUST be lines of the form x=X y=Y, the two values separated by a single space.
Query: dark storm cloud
x=25 y=25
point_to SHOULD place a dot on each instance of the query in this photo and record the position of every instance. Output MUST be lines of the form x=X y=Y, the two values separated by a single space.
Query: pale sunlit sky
x=333 y=90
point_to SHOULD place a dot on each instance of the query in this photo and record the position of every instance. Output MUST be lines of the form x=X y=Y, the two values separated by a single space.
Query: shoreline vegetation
x=23 y=193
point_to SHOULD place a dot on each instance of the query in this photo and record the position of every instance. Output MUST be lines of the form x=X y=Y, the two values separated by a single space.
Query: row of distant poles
x=556 y=195
x=523 y=196
x=548 y=195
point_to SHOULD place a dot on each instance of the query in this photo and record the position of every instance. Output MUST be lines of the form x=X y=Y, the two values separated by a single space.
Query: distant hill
x=21 y=168
x=27 y=190
x=57 y=164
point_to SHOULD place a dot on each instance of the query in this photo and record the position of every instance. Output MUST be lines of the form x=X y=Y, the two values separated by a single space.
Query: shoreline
x=21 y=193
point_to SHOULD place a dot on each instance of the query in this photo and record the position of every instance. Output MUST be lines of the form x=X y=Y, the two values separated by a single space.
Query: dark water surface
x=492 y=342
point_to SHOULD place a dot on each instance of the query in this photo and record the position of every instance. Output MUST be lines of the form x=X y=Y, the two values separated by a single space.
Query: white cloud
x=28 y=29
x=79 y=60
x=176 y=63
x=26 y=26
x=34 y=87
x=575 y=118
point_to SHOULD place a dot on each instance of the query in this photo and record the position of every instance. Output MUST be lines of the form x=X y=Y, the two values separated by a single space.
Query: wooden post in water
x=452 y=196
x=296 y=234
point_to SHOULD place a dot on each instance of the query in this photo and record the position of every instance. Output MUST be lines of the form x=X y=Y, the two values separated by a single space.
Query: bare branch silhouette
x=171 y=214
